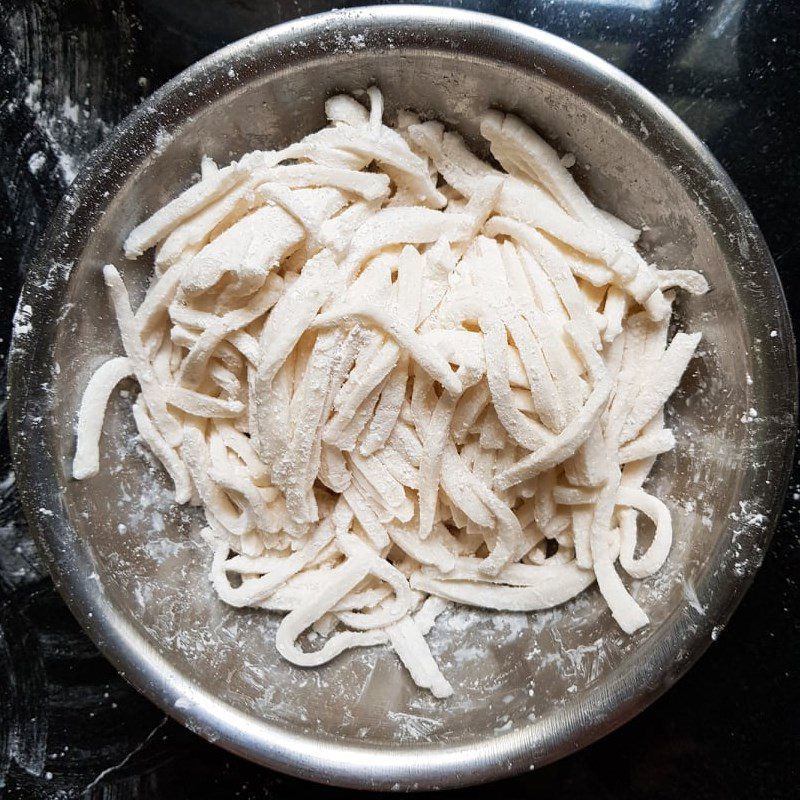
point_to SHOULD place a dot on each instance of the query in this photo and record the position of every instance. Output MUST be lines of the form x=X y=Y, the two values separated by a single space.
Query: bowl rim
x=684 y=636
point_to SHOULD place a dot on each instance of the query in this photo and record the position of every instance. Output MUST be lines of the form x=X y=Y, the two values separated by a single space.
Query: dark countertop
x=69 y=725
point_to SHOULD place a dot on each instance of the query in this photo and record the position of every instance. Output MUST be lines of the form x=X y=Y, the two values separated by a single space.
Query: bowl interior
x=510 y=671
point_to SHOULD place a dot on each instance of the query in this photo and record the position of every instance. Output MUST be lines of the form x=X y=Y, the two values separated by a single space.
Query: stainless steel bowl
x=529 y=689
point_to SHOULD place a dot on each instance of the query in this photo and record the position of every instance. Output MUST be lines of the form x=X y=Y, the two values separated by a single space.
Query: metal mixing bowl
x=529 y=688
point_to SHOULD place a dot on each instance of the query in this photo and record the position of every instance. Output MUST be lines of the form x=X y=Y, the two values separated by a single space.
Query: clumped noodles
x=396 y=377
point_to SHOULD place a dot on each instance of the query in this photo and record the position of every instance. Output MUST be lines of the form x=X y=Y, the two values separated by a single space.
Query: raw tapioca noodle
x=396 y=377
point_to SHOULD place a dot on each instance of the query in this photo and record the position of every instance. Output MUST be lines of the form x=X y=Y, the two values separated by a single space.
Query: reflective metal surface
x=528 y=689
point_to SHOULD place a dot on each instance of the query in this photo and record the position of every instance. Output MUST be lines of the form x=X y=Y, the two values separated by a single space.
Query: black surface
x=69 y=725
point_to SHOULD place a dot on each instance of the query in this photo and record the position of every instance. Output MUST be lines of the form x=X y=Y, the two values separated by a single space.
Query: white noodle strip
x=368 y=373
x=647 y=446
x=686 y=279
x=159 y=296
x=458 y=484
x=542 y=164
x=224 y=379
x=350 y=435
x=387 y=410
x=561 y=360
x=243 y=447
x=246 y=345
x=202 y=405
x=208 y=168
x=401 y=226
x=464 y=348
x=406 y=440
x=258 y=590
x=152 y=390
x=596 y=274
x=394 y=157
x=624 y=609
x=655 y=556
x=391 y=611
x=554 y=265
x=336 y=233
x=196 y=457
x=469 y=568
x=627 y=376
x=289 y=318
x=163 y=358
x=194 y=232
x=428 y=358
x=341 y=581
x=665 y=378
x=333 y=469
x=104 y=380
x=366 y=517
x=509 y=533
x=398 y=466
x=574 y=495
x=614 y=311
x=297 y=590
x=369 y=185
x=168 y=457
x=320 y=154
x=409 y=644
x=493 y=434
x=375 y=111
x=430 y=463
x=235 y=481
x=546 y=401
x=343 y=108
x=589 y=465
x=562 y=446
x=410 y=268
x=519 y=200
x=518 y=426
x=310 y=207
x=386 y=487
x=582 y=517
x=429 y=552
x=302 y=458
x=426 y=617
x=470 y=406
x=248 y=250
x=552 y=590
x=196 y=197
